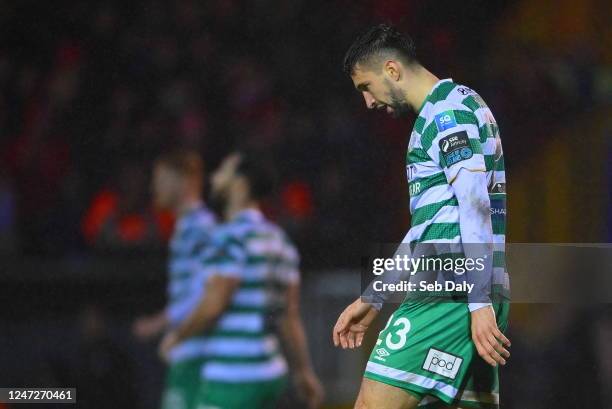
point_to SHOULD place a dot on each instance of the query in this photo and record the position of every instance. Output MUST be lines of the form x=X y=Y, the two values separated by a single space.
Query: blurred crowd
x=92 y=92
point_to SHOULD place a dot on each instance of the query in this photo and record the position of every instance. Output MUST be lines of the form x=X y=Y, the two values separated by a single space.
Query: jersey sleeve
x=229 y=257
x=290 y=263
x=452 y=140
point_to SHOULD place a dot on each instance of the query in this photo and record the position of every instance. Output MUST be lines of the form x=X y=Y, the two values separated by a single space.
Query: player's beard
x=400 y=106
x=218 y=202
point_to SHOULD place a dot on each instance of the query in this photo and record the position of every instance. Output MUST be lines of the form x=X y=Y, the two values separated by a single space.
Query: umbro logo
x=382 y=352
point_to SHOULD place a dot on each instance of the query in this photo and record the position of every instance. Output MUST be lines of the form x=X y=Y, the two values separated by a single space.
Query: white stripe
x=192 y=348
x=248 y=322
x=489 y=147
x=240 y=347
x=185 y=264
x=499 y=242
x=432 y=195
x=413 y=378
x=499 y=176
x=225 y=346
x=244 y=372
x=251 y=298
x=454 y=240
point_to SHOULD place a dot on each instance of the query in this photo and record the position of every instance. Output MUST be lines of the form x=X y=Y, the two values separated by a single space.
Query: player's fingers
x=359 y=339
x=483 y=353
x=492 y=352
x=335 y=336
x=351 y=339
x=338 y=328
x=343 y=339
x=501 y=337
x=499 y=347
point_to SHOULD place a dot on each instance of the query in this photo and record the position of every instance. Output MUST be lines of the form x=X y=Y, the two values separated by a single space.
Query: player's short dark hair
x=187 y=163
x=379 y=39
x=257 y=168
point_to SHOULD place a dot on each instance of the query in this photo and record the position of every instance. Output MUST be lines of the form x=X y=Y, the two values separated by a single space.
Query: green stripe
x=439 y=231
x=471 y=103
x=417 y=155
x=491 y=165
x=499 y=259
x=427 y=212
x=420 y=185
x=441 y=92
x=253 y=284
x=419 y=124
x=180 y=275
x=499 y=225
x=464 y=117
x=240 y=359
x=237 y=308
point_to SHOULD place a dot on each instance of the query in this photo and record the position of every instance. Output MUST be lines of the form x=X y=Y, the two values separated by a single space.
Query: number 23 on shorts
x=396 y=337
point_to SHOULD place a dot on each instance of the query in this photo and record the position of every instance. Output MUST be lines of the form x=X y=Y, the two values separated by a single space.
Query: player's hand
x=309 y=388
x=169 y=341
x=352 y=324
x=489 y=340
x=148 y=327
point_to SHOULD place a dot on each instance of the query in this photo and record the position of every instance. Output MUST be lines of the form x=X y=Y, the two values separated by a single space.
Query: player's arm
x=219 y=291
x=470 y=188
x=149 y=326
x=293 y=335
x=457 y=150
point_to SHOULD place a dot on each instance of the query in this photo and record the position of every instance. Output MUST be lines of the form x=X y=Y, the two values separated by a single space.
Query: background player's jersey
x=243 y=346
x=192 y=237
x=454 y=129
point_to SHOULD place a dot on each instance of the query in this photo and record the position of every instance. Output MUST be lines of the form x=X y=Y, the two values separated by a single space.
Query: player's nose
x=369 y=100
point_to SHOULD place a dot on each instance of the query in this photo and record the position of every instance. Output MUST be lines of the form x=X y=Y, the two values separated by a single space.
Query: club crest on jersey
x=455 y=148
x=445 y=120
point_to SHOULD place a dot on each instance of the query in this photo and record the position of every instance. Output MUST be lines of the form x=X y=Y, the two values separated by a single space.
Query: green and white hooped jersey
x=243 y=346
x=454 y=129
x=192 y=237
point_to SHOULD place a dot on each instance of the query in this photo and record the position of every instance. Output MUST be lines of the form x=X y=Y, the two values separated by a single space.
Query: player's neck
x=237 y=207
x=189 y=203
x=423 y=82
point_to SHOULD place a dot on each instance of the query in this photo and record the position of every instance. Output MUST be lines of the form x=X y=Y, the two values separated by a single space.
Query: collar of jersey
x=196 y=207
x=428 y=97
x=251 y=215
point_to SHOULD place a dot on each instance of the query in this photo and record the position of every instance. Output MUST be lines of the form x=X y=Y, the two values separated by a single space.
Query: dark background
x=91 y=92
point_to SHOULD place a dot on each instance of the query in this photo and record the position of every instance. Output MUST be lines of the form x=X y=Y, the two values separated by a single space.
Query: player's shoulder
x=204 y=217
x=453 y=97
x=228 y=233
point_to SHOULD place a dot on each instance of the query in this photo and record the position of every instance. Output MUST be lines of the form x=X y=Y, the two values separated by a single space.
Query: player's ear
x=393 y=70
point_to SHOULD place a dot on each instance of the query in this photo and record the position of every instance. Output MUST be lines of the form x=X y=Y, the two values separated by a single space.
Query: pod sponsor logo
x=442 y=363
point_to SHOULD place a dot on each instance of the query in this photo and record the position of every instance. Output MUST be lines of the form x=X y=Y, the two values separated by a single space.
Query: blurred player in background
x=426 y=355
x=178 y=180
x=252 y=298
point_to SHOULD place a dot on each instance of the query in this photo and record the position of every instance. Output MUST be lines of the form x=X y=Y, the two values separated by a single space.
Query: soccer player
x=177 y=185
x=252 y=297
x=436 y=354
